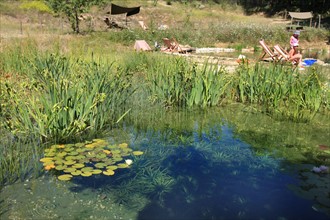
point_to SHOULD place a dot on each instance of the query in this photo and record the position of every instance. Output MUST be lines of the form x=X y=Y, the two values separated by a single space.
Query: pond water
x=223 y=163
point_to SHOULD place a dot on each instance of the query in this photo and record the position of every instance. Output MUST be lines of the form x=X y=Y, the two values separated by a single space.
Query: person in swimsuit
x=294 y=54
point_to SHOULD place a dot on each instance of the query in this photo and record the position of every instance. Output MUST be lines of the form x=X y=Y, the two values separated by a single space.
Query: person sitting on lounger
x=294 y=54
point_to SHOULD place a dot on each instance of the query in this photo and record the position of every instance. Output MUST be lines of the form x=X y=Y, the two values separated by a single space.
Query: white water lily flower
x=129 y=162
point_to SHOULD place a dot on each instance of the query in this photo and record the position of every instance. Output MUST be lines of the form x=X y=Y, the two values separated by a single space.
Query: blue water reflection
x=215 y=175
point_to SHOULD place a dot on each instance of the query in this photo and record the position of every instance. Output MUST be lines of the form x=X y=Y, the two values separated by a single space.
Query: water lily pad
x=116 y=151
x=78 y=165
x=76 y=173
x=79 y=145
x=60 y=146
x=46 y=159
x=79 y=157
x=59 y=161
x=73 y=153
x=90 y=155
x=70 y=157
x=69 y=162
x=68 y=149
x=117 y=159
x=112 y=167
x=60 y=167
x=69 y=170
x=123 y=145
x=109 y=172
x=65 y=177
x=90 y=145
x=109 y=162
x=137 y=153
x=96 y=171
x=47 y=163
x=50 y=154
x=101 y=156
x=85 y=160
x=95 y=159
x=124 y=154
x=107 y=151
x=62 y=154
x=86 y=174
x=100 y=165
x=87 y=169
x=122 y=165
x=80 y=150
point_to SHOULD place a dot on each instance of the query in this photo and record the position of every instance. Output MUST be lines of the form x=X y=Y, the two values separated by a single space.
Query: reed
x=69 y=97
x=179 y=83
x=282 y=91
x=17 y=158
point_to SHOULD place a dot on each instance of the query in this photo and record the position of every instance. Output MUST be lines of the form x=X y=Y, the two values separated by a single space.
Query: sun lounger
x=268 y=53
x=173 y=46
x=282 y=54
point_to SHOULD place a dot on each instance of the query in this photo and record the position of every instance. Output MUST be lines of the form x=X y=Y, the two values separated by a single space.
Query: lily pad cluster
x=87 y=159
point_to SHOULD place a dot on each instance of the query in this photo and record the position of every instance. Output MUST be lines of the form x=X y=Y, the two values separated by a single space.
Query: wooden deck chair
x=170 y=45
x=283 y=54
x=267 y=52
x=173 y=46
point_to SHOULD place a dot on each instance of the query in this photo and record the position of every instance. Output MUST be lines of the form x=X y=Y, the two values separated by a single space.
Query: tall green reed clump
x=281 y=90
x=17 y=158
x=176 y=82
x=69 y=97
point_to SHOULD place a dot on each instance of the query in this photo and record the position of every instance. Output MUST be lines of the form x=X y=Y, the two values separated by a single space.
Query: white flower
x=129 y=162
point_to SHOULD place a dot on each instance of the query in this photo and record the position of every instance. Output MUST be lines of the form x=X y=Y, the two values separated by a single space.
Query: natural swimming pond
x=223 y=163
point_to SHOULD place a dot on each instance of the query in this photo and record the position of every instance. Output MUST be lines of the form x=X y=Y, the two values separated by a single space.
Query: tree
x=72 y=9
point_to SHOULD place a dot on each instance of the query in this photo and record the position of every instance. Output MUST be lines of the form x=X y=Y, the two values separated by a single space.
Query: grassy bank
x=206 y=26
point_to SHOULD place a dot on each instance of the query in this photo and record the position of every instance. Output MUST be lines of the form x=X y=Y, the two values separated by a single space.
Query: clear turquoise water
x=222 y=164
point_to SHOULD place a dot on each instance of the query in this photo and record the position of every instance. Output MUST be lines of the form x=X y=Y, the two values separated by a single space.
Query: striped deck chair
x=268 y=53
x=283 y=54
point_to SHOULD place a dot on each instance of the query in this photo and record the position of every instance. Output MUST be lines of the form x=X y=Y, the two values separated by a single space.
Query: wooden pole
x=319 y=20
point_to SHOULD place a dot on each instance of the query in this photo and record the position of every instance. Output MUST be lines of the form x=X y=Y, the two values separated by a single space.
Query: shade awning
x=301 y=15
x=116 y=9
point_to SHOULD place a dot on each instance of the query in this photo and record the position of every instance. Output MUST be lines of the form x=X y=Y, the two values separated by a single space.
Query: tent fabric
x=116 y=9
x=141 y=45
x=301 y=15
